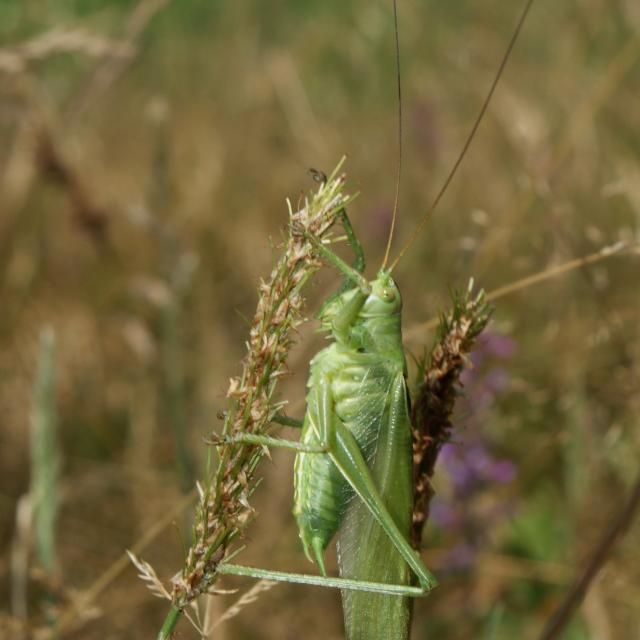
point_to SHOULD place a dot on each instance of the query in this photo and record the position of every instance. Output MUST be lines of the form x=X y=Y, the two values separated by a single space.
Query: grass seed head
x=438 y=389
x=224 y=509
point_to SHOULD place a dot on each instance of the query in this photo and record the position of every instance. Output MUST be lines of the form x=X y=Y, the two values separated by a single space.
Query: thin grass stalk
x=45 y=466
x=45 y=455
x=224 y=511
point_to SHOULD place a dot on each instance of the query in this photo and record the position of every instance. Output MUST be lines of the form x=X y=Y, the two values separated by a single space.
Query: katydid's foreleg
x=346 y=455
x=346 y=317
x=359 y=261
x=349 y=272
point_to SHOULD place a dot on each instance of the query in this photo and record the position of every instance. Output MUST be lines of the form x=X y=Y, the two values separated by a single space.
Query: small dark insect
x=318 y=176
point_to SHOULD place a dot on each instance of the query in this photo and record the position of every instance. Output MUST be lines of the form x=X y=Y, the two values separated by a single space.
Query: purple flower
x=504 y=471
x=496 y=380
x=461 y=557
x=444 y=515
x=497 y=345
x=473 y=469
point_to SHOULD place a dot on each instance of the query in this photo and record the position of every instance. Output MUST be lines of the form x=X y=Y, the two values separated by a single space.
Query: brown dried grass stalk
x=224 y=511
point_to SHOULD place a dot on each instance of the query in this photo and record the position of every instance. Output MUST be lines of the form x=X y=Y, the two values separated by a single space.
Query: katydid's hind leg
x=366 y=549
x=348 y=458
x=346 y=455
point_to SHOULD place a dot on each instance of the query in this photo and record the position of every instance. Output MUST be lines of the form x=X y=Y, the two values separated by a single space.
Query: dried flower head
x=437 y=391
x=224 y=510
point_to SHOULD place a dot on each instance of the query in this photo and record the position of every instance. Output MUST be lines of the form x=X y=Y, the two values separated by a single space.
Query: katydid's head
x=384 y=299
x=379 y=324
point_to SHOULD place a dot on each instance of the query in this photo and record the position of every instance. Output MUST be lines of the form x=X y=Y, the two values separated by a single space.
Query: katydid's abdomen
x=322 y=494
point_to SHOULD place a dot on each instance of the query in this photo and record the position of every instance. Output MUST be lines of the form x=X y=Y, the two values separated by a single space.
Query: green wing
x=365 y=550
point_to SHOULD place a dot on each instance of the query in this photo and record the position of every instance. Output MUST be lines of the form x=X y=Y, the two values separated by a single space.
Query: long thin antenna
x=503 y=63
x=399 y=173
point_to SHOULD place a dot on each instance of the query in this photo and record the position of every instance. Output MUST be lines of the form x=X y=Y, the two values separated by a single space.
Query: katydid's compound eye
x=388 y=295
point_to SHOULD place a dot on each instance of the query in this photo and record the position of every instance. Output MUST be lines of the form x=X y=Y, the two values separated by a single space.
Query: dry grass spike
x=224 y=510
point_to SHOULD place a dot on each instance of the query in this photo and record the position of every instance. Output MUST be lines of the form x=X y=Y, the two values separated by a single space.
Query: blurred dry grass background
x=146 y=151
